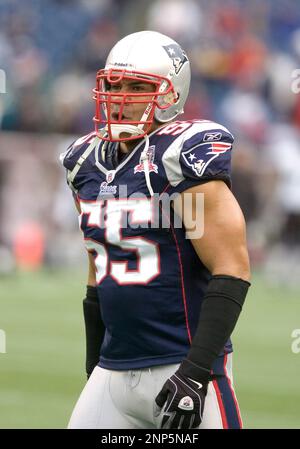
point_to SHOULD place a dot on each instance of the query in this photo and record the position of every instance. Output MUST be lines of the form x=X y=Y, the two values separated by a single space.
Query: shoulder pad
x=202 y=152
x=203 y=147
x=206 y=131
x=70 y=157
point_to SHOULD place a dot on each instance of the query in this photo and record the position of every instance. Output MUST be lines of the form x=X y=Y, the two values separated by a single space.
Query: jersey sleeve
x=202 y=154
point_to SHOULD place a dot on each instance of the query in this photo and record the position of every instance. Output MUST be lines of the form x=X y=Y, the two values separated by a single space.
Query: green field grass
x=42 y=372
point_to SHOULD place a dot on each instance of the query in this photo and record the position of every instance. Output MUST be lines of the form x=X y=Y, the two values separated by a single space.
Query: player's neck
x=128 y=146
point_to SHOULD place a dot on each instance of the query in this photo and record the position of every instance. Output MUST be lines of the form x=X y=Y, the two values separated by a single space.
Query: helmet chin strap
x=118 y=129
x=134 y=130
x=145 y=162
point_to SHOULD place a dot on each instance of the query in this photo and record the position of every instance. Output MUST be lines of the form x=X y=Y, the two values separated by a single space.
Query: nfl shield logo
x=110 y=176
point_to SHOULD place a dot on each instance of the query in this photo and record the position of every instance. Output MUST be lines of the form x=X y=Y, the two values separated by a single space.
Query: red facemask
x=163 y=96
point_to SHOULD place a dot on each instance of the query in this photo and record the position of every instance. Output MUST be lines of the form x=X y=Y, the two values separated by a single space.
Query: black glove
x=184 y=402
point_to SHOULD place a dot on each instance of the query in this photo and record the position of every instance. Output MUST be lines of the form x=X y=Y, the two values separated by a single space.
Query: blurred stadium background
x=244 y=55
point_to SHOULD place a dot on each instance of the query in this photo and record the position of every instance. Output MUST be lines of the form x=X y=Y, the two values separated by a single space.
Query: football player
x=162 y=299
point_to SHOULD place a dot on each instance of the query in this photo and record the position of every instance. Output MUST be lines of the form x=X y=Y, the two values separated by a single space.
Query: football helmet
x=142 y=57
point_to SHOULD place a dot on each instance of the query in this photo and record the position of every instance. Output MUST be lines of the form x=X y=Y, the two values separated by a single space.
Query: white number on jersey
x=139 y=211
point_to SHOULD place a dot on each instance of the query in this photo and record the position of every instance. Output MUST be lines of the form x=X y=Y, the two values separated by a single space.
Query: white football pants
x=125 y=399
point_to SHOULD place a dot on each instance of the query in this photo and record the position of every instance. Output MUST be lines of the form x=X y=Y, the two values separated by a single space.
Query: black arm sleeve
x=220 y=311
x=94 y=328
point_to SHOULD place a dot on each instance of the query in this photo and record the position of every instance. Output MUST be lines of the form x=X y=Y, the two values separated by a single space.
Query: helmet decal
x=177 y=55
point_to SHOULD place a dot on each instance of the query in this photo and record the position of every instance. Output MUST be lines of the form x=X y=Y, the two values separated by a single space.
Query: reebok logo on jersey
x=200 y=156
x=208 y=137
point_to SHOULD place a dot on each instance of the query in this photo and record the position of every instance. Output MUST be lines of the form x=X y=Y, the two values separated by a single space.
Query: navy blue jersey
x=150 y=281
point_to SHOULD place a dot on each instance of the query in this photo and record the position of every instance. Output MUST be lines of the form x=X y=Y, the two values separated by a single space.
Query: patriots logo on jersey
x=199 y=157
x=152 y=167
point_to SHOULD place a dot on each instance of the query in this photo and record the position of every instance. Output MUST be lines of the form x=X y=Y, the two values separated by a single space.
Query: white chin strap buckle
x=117 y=130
